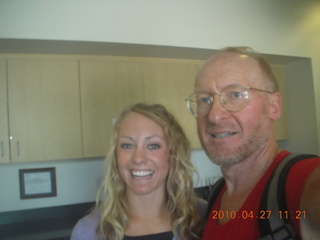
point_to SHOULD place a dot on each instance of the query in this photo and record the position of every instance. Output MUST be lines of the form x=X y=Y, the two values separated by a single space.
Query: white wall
x=77 y=181
x=286 y=27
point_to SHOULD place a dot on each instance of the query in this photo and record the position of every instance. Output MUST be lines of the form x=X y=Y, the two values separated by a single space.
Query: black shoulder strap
x=275 y=227
x=216 y=188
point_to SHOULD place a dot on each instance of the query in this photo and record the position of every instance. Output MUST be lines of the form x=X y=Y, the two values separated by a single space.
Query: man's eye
x=206 y=100
x=126 y=146
x=154 y=146
x=234 y=95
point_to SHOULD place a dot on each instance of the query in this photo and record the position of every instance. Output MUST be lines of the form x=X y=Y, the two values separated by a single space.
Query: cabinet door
x=107 y=87
x=170 y=83
x=44 y=110
x=4 y=130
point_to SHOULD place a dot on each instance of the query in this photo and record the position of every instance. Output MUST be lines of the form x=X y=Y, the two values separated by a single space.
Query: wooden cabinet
x=107 y=87
x=44 y=110
x=4 y=127
x=64 y=108
x=169 y=83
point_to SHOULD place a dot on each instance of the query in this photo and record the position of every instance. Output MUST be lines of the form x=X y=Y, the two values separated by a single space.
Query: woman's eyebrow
x=126 y=137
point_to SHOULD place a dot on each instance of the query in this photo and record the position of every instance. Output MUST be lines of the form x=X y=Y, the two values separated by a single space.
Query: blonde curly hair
x=181 y=198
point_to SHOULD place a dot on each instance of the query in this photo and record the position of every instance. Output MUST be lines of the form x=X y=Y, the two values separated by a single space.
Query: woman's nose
x=139 y=156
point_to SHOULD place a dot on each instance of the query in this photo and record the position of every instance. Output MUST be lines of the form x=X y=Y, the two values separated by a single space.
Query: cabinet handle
x=2 y=153
x=18 y=148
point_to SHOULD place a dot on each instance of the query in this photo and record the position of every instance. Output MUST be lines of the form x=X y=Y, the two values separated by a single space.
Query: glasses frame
x=221 y=100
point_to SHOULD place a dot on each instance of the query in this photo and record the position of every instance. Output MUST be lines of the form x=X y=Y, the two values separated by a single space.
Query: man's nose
x=217 y=111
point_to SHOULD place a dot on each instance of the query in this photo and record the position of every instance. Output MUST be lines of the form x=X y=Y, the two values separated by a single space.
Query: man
x=236 y=102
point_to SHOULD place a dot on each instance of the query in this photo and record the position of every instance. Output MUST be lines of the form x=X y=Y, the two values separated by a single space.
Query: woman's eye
x=154 y=146
x=126 y=146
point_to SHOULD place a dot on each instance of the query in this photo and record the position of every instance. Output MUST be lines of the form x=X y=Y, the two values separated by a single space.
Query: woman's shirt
x=86 y=227
x=157 y=236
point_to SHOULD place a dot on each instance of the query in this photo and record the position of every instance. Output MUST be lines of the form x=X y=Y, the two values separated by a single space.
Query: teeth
x=141 y=173
x=223 y=135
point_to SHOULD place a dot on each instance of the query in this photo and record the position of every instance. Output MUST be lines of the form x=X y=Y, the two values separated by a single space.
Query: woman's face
x=142 y=155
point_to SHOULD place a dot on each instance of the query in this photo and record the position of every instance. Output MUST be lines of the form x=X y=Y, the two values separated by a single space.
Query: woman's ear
x=275 y=105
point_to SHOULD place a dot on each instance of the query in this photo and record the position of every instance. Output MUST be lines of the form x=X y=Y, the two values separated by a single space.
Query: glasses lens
x=199 y=104
x=234 y=97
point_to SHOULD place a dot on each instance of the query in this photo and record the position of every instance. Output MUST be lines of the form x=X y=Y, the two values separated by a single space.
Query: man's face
x=230 y=137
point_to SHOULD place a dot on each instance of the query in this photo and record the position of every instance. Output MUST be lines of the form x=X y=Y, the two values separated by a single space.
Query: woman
x=147 y=192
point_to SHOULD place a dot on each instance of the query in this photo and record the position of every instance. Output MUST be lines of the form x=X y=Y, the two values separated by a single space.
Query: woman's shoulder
x=202 y=207
x=86 y=227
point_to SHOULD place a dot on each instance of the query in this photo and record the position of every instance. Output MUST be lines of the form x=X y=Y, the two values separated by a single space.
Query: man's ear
x=275 y=105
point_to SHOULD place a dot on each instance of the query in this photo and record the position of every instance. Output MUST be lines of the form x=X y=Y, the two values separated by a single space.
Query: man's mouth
x=141 y=173
x=223 y=135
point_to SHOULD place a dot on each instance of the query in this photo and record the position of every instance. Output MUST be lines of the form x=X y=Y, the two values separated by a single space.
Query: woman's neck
x=148 y=205
x=147 y=214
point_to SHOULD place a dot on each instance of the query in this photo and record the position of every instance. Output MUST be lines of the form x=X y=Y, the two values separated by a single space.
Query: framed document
x=37 y=183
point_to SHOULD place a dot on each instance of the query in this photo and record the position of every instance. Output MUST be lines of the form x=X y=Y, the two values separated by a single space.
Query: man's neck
x=243 y=176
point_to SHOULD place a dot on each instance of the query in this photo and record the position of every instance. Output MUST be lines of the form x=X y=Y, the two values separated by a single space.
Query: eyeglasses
x=233 y=98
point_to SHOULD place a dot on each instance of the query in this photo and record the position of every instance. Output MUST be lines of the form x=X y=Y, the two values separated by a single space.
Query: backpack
x=274 y=226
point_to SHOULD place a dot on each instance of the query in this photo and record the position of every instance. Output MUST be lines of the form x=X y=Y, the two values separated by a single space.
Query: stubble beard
x=223 y=157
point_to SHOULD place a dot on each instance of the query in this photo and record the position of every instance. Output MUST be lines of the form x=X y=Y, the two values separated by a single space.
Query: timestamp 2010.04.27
x=263 y=214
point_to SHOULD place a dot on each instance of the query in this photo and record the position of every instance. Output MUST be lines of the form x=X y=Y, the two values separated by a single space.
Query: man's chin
x=222 y=158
